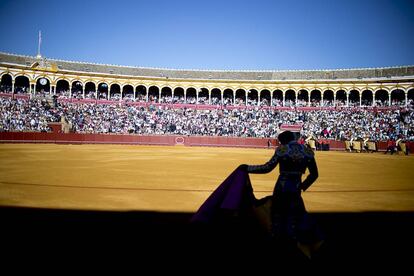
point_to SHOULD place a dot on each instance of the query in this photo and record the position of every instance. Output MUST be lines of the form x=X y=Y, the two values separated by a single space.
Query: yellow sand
x=120 y=177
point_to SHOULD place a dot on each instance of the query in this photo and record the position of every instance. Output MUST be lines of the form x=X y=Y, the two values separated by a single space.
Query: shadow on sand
x=371 y=239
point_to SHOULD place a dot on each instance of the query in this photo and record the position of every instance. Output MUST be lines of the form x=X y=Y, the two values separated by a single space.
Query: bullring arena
x=88 y=145
x=179 y=179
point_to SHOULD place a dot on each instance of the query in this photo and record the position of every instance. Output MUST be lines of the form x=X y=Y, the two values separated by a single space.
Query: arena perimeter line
x=190 y=190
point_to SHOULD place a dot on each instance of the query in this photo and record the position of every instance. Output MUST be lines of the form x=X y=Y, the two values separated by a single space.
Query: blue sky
x=214 y=34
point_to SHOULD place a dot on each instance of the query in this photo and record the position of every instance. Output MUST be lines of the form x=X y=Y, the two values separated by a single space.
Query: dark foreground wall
x=167 y=241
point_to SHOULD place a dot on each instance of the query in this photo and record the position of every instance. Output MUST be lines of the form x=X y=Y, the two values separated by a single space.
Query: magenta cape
x=234 y=195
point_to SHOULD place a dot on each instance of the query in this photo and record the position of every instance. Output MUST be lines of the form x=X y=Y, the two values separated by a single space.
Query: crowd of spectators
x=338 y=124
x=25 y=115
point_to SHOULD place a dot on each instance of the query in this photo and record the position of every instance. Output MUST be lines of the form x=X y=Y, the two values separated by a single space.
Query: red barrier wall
x=55 y=127
x=78 y=138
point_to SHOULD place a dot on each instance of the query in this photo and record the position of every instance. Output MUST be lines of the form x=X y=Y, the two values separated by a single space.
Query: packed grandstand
x=377 y=104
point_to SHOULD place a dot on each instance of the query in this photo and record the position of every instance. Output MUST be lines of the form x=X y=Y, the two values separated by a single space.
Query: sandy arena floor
x=120 y=177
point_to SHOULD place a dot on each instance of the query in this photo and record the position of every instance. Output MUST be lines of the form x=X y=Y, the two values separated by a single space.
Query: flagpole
x=38 y=47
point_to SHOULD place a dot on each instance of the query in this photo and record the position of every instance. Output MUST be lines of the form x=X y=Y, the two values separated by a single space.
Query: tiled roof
x=363 y=73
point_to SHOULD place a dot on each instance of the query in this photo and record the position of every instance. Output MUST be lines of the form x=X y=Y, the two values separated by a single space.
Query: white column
x=321 y=102
x=12 y=86
x=360 y=99
x=31 y=93
x=374 y=103
x=347 y=98
x=406 y=98
x=283 y=97
x=389 y=98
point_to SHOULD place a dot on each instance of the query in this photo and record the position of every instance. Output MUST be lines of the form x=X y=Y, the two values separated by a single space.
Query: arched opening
x=240 y=97
x=367 y=98
x=397 y=97
x=277 y=98
x=62 y=89
x=252 y=97
x=115 y=92
x=340 y=98
x=141 y=93
x=179 y=95
x=128 y=93
x=410 y=97
x=42 y=86
x=290 y=98
x=166 y=95
x=215 y=96
x=228 y=97
x=102 y=91
x=328 y=98
x=153 y=94
x=381 y=97
x=77 y=90
x=191 y=96
x=354 y=98
x=90 y=90
x=21 y=85
x=6 y=84
x=265 y=97
x=303 y=98
x=315 y=97
x=203 y=96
